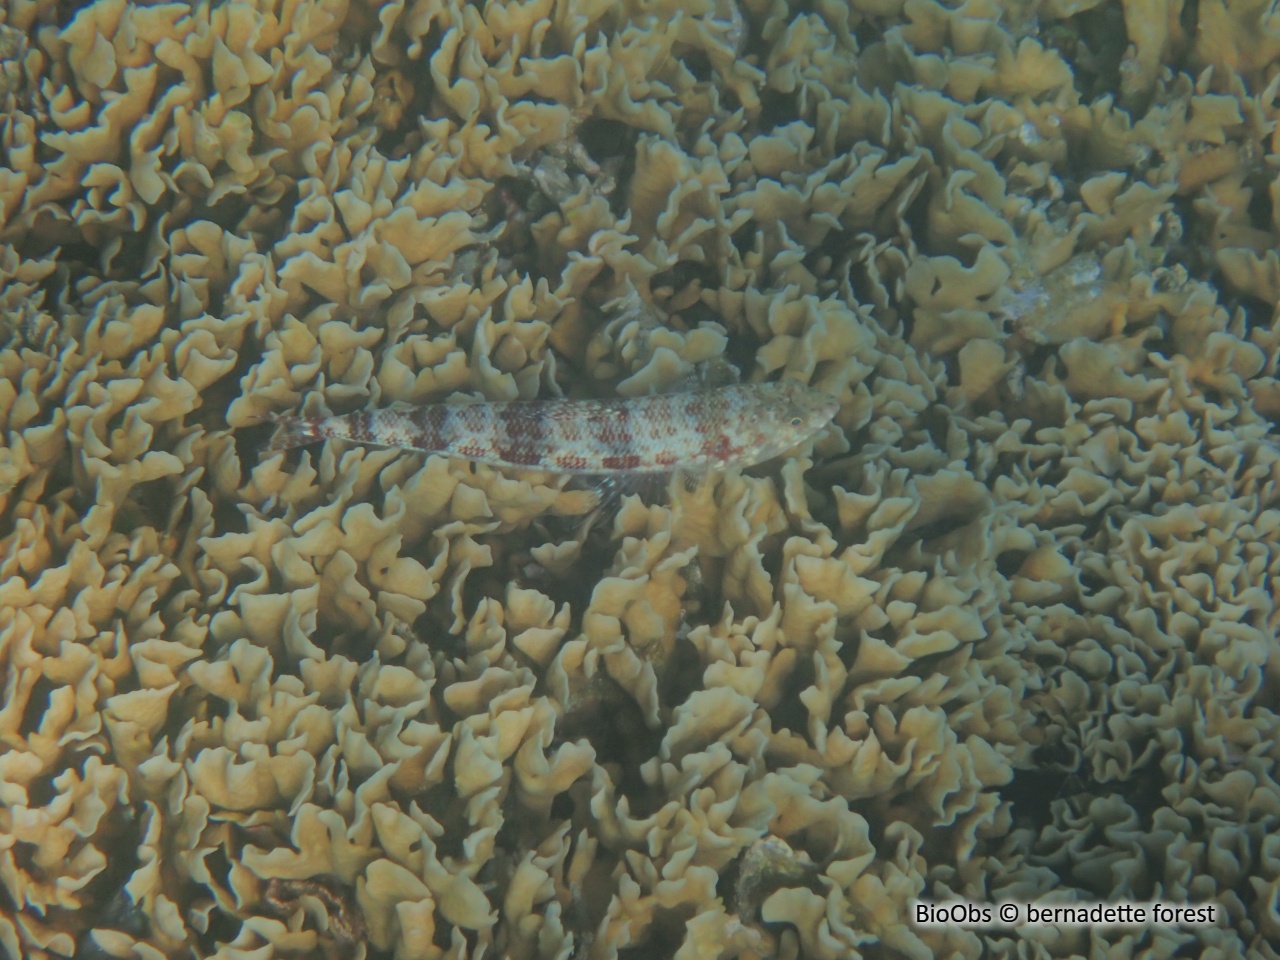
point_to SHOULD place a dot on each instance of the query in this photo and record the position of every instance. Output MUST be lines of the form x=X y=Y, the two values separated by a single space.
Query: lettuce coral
x=1006 y=631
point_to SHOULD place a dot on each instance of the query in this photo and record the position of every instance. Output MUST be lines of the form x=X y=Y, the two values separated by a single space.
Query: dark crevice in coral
x=147 y=504
x=1257 y=313
x=432 y=628
x=611 y=721
x=189 y=703
x=936 y=420
x=1195 y=250
x=562 y=809
x=1143 y=788
x=65 y=10
x=1093 y=525
x=559 y=588
x=906 y=324
x=790 y=713
x=932 y=664
x=1007 y=464
x=777 y=109
x=1093 y=44
x=129 y=258
x=1032 y=793
x=1010 y=562
x=490 y=583
x=118 y=913
x=443 y=804
x=265 y=225
x=746 y=239
x=695 y=60
x=511 y=207
x=106 y=904
x=1037 y=360
x=361 y=646
x=831 y=256
x=1260 y=209
x=913 y=219
x=78 y=257
x=686 y=272
x=702 y=312
x=331 y=638
x=705 y=596
x=606 y=140
x=1212 y=395
x=1189 y=17
x=869 y=31
x=663 y=937
x=40 y=791
x=771 y=560
x=218 y=865
x=849 y=647
x=223 y=929
x=1091 y=583
x=680 y=674
x=929 y=532
x=37 y=705
x=228 y=211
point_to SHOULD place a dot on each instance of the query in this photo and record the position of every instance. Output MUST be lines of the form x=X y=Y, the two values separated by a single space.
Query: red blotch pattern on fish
x=713 y=429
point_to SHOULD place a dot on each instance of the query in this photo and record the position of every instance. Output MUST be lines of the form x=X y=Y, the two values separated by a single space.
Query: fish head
x=791 y=413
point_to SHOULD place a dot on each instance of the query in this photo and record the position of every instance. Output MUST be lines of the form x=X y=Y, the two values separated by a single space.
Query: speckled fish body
x=705 y=430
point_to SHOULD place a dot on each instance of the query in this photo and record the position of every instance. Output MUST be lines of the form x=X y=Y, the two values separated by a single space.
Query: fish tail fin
x=293 y=432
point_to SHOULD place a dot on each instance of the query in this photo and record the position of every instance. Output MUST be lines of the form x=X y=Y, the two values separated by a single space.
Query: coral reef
x=1009 y=631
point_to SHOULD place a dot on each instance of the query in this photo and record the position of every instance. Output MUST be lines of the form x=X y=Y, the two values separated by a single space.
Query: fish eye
x=796 y=421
